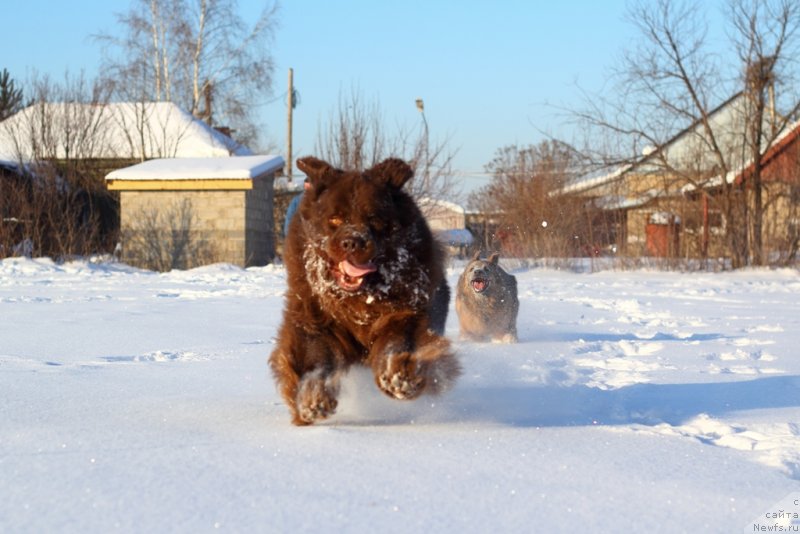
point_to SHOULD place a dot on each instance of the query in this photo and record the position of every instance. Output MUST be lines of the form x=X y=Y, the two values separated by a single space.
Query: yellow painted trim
x=180 y=185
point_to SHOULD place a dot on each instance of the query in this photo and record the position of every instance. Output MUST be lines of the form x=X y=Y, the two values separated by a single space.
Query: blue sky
x=489 y=72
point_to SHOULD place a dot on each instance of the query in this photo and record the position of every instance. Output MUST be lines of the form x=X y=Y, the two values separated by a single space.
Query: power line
x=272 y=100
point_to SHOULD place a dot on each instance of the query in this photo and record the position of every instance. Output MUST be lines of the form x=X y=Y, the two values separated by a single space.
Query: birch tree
x=199 y=54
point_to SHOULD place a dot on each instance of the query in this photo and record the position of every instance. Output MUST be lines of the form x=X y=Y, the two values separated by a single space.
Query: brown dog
x=366 y=286
x=486 y=301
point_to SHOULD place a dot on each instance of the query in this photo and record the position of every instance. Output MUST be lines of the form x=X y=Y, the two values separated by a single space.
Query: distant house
x=447 y=220
x=781 y=176
x=659 y=205
x=487 y=231
x=80 y=144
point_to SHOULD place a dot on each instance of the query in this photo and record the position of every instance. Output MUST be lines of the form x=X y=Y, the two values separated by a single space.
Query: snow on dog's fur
x=366 y=286
x=487 y=302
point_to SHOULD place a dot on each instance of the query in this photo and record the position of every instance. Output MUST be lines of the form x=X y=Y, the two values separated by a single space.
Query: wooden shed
x=185 y=212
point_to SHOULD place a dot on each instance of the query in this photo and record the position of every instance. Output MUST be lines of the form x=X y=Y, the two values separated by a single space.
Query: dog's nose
x=353 y=243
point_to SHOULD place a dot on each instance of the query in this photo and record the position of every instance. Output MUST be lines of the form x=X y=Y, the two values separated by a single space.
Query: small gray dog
x=486 y=301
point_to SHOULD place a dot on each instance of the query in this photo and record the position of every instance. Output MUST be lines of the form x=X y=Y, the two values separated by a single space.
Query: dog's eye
x=335 y=221
x=377 y=224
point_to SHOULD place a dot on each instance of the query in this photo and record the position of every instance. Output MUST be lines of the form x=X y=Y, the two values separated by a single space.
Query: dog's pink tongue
x=356 y=271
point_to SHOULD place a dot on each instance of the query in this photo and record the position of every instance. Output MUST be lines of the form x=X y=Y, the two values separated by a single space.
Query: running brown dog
x=366 y=285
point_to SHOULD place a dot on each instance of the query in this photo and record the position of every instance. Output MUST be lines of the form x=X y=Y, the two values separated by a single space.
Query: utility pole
x=426 y=176
x=290 y=106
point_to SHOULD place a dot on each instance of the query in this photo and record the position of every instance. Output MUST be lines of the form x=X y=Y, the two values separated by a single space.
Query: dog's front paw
x=316 y=399
x=401 y=379
x=507 y=338
x=432 y=368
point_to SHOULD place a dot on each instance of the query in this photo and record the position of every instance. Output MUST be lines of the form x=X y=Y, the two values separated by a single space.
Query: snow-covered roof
x=282 y=183
x=688 y=148
x=455 y=236
x=663 y=217
x=593 y=179
x=446 y=204
x=9 y=166
x=790 y=132
x=238 y=168
x=618 y=202
x=118 y=130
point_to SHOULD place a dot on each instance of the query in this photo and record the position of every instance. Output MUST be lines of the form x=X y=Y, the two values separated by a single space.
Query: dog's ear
x=319 y=173
x=312 y=166
x=494 y=258
x=393 y=172
x=477 y=255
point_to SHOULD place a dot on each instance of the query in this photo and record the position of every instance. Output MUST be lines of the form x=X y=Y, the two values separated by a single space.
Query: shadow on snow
x=544 y=406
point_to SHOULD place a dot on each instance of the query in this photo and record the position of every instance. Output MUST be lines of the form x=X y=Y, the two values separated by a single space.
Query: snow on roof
x=785 y=136
x=618 y=202
x=282 y=183
x=446 y=204
x=593 y=179
x=663 y=217
x=687 y=147
x=10 y=166
x=455 y=236
x=118 y=130
x=236 y=168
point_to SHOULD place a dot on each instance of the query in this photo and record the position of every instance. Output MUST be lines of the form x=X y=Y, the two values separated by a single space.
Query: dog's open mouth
x=350 y=276
x=479 y=285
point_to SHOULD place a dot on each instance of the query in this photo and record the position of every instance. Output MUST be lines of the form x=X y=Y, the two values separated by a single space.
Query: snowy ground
x=141 y=402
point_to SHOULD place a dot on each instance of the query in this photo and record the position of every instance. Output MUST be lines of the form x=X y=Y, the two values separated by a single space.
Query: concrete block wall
x=235 y=226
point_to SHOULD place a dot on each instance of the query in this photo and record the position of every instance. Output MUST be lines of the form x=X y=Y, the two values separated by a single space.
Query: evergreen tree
x=10 y=96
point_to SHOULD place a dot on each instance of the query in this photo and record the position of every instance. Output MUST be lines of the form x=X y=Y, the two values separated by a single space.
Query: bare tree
x=60 y=203
x=199 y=54
x=672 y=80
x=765 y=41
x=41 y=214
x=354 y=138
x=531 y=222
